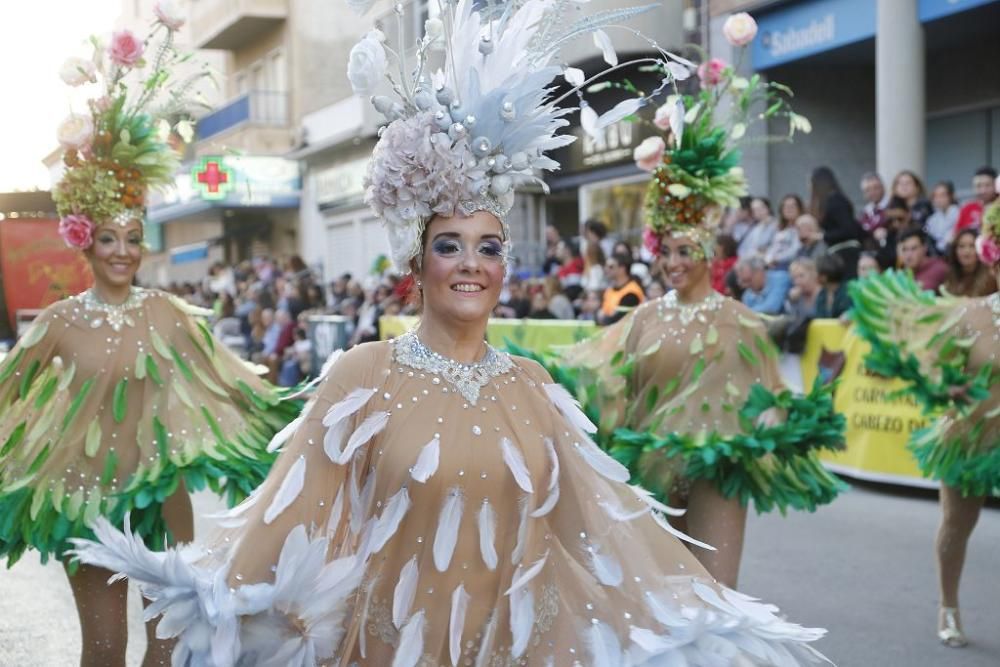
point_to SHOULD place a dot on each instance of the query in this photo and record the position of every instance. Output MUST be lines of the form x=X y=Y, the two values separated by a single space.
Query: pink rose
x=988 y=250
x=662 y=117
x=710 y=72
x=125 y=49
x=77 y=231
x=649 y=154
x=651 y=241
x=169 y=14
x=739 y=29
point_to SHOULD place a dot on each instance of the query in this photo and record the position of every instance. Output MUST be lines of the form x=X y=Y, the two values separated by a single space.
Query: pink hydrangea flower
x=651 y=241
x=125 y=49
x=988 y=249
x=77 y=231
x=710 y=72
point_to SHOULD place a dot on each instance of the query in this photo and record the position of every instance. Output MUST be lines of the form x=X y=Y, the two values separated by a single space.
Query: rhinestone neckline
x=687 y=312
x=115 y=316
x=467 y=379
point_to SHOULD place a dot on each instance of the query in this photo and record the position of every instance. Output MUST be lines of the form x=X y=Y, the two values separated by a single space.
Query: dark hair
x=628 y=248
x=781 y=217
x=897 y=203
x=921 y=191
x=986 y=171
x=830 y=267
x=745 y=203
x=765 y=201
x=952 y=254
x=949 y=187
x=822 y=185
x=599 y=229
x=623 y=260
x=913 y=233
x=573 y=248
x=728 y=244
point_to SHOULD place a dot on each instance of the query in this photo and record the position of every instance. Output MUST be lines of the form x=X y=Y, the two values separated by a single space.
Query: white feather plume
x=522 y=620
x=604 y=647
x=665 y=525
x=282 y=436
x=487 y=535
x=606 y=568
x=405 y=593
x=619 y=513
x=336 y=512
x=459 y=608
x=522 y=531
x=291 y=487
x=647 y=497
x=387 y=524
x=515 y=462
x=524 y=576
x=553 y=497
x=411 y=642
x=486 y=644
x=569 y=407
x=367 y=430
x=427 y=461
x=347 y=406
x=447 y=531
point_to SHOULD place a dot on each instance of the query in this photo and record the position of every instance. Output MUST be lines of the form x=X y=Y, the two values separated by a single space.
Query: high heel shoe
x=950 y=628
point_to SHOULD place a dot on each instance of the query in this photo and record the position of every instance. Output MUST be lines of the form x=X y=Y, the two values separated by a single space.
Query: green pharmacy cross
x=212 y=178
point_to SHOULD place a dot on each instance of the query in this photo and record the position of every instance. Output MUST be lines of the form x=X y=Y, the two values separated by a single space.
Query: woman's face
x=684 y=263
x=806 y=280
x=867 y=266
x=758 y=210
x=463 y=267
x=790 y=210
x=655 y=290
x=941 y=199
x=906 y=187
x=965 y=252
x=116 y=253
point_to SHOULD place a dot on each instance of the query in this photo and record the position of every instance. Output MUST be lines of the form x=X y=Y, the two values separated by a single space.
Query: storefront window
x=618 y=204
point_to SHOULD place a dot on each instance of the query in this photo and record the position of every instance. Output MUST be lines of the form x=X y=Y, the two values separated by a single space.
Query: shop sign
x=342 y=184
x=611 y=146
x=810 y=27
x=928 y=10
x=234 y=181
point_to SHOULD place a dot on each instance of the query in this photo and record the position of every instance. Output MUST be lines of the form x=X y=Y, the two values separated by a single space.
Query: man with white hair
x=876 y=201
x=764 y=291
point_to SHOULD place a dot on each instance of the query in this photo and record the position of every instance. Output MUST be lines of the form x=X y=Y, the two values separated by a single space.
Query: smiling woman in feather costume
x=441 y=502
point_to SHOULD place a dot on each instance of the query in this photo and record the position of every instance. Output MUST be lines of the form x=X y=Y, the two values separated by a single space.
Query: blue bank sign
x=811 y=27
x=928 y=10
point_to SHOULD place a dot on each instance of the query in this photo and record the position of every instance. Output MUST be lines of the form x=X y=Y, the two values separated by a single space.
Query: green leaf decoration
x=93 y=508
x=749 y=322
x=159 y=345
x=75 y=503
x=652 y=397
x=74 y=407
x=180 y=389
x=697 y=346
x=119 y=401
x=14 y=439
x=766 y=347
x=92 y=442
x=110 y=468
x=746 y=353
x=209 y=383
x=153 y=370
x=39 y=461
x=207 y=335
x=140 y=366
x=35 y=334
x=671 y=386
x=67 y=377
x=181 y=364
x=652 y=349
x=37 y=501
x=712 y=337
x=698 y=370
x=11 y=365
x=29 y=377
x=48 y=390
x=161 y=437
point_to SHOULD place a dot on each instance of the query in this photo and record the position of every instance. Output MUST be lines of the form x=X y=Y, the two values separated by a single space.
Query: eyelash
x=491 y=250
x=110 y=239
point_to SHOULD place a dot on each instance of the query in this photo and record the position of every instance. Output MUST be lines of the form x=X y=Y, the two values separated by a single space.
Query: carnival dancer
x=442 y=502
x=117 y=401
x=686 y=389
x=945 y=349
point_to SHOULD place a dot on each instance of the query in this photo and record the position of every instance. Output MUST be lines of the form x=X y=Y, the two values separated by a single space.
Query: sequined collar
x=467 y=379
x=114 y=315
x=688 y=312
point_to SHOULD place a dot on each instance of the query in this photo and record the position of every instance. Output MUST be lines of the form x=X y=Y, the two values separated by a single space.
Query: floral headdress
x=462 y=138
x=988 y=241
x=119 y=150
x=695 y=164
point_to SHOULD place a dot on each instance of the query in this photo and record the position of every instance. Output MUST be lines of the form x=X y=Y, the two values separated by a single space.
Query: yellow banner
x=535 y=335
x=878 y=425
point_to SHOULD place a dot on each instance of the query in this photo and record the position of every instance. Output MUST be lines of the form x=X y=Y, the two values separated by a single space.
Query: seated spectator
x=897 y=221
x=984 y=185
x=876 y=199
x=570 y=273
x=738 y=221
x=785 y=244
x=623 y=292
x=833 y=300
x=723 y=262
x=338 y=291
x=941 y=223
x=552 y=241
x=655 y=289
x=835 y=214
x=516 y=305
x=559 y=304
x=590 y=306
x=540 y=307
x=761 y=233
x=811 y=243
x=967 y=276
x=868 y=265
x=914 y=248
x=763 y=291
x=789 y=330
x=908 y=187
x=595 y=232
x=593 y=266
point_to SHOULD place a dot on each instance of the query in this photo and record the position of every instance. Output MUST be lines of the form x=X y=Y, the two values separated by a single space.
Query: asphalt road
x=863 y=568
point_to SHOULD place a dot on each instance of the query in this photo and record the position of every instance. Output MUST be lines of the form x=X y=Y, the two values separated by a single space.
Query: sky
x=35 y=38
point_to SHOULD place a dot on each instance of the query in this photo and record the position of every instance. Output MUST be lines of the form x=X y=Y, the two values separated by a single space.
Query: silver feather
x=456 y=624
x=427 y=461
x=447 y=532
x=515 y=462
x=487 y=535
x=405 y=593
x=411 y=642
x=367 y=430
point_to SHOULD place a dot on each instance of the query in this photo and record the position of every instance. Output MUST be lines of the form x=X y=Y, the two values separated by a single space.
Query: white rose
x=649 y=153
x=75 y=132
x=740 y=29
x=366 y=65
x=169 y=14
x=662 y=117
x=433 y=29
x=77 y=71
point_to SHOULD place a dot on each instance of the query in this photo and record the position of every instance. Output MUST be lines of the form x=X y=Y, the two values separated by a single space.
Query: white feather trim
x=427 y=462
x=347 y=406
x=487 y=535
x=665 y=525
x=647 y=497
x=411 y=642
x=569 y=407
x=486 y=645
x=606 y=568
x=363 y=620
x=605 y=649
x=599 y=460
x=368 y=429
x=522 y=620
x=617 y=513
x=333 y=441
x=553 y=497
x=388 y=523
x=522 y=531
x=405 y=593
x=289 y=490
x=336 y=513
x=522 y=577
x=358 y=509
x=459 y=607
x=447 y=532
x=515 y=461
x=282 y=436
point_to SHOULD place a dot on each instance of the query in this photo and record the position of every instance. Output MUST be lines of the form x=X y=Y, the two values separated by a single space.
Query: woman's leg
x=179 y=517
x=721 y=522
x=103 y=612
x=958 y=517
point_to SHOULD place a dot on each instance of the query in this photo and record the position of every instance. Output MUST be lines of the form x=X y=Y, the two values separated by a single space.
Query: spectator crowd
x=792 y=262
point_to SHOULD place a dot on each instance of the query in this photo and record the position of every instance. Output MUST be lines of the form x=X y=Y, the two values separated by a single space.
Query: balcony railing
x=233 y=24
x=258 y=107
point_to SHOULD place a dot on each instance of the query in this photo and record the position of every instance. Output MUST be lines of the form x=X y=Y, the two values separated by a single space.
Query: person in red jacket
x=723 y=262
x=984 y=183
